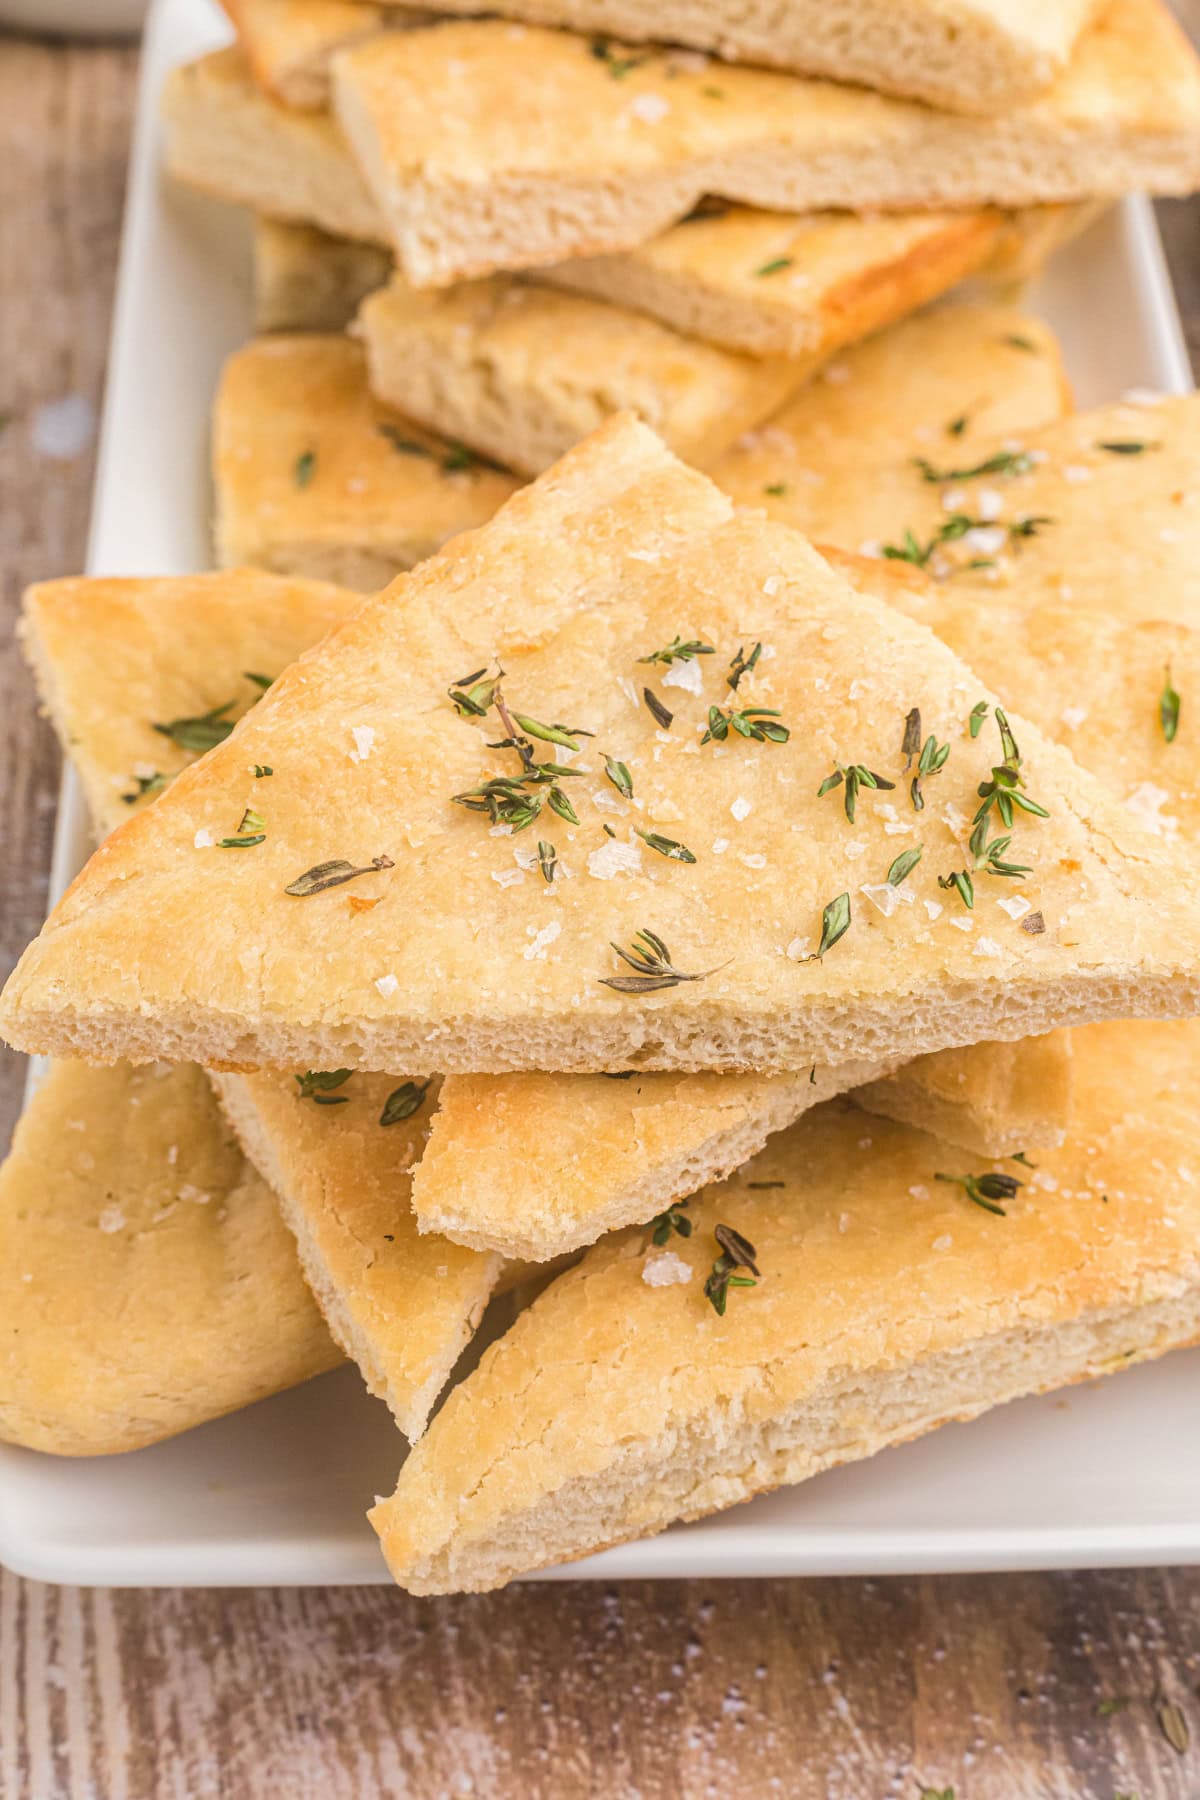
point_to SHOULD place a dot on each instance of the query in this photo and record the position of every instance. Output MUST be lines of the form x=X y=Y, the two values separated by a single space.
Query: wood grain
x=836 y=1690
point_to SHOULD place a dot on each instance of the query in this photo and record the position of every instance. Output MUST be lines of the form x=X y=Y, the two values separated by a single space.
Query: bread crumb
x=536 y=951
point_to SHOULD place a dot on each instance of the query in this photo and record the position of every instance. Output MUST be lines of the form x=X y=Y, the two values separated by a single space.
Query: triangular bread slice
x=792 y=284
x=306 y=280
x=998 y=1100
x=314 y=477
x=974 y=56
x=1100 y=510
x=181 y=937
x=622 y=1151
x=886 y=1304
x=601 y=156
x=147 y=1282
x=403 y=1306
x=135 y=674
x=521 y=373
x=225 y=137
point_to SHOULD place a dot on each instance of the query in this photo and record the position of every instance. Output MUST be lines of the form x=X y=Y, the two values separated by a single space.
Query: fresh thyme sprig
x=933 y=758
x=1006 y=789
x=473 y=695
x=649 y=957
x=1004 y=462
x=673 y=1218
x=317 y=1086
x=987 y=859
x=251 y=831
x=911 y=551
x=856 y=776
x=737 y=1253
x=680 y=650
x=403 y=1102
x=332 y=874
x=1169 y=705
x=757 y=722
x=202 y=732
x=986 y=1190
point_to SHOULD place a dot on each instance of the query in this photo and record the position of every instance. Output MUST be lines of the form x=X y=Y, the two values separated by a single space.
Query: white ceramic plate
x=1105 y=1475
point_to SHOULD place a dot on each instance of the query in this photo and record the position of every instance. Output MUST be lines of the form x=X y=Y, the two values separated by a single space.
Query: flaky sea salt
x=111 y=1219
x=536 y=951
x=987 y=946
x=615 y=858
x=364 y=742
x=507 y=877
x=740 y=808
x=387 y=985
x=204 y=839
x=684 y=673
x=651 y=109
x=667 y=1270
x=1015 y=905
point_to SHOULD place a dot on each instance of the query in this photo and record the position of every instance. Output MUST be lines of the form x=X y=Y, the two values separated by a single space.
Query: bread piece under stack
x=146 y=1278
x=1100 y=510
x=306 y=280
x=179 y=938
x=522 y=373
x=587 y=164
x=885 y=1304
x=314 y=477
x=969 y=55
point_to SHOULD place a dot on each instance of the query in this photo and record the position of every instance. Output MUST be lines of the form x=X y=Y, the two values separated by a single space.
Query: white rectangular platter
x=1106 y=1474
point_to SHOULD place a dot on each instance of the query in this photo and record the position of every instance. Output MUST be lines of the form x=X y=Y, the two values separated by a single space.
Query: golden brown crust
x=598 y=563
x=887 y=1303
x=147 y=1282
x=314 y=476
x=588 y=165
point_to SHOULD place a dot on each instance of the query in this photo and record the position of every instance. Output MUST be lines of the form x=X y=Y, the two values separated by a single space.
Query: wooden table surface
x=1002 y=1688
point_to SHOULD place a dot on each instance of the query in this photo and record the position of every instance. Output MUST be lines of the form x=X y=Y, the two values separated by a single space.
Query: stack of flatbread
x=732 y=895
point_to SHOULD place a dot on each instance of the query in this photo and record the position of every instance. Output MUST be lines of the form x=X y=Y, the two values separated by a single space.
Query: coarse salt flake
x=1146 y=803
x=615 y=858
x=667 y=1270
x=651 y=109
x=753 y=861
x=1015 y=905
x=536 y=951
x=507 y=877
x=988 y=946
x=720 y=846
x=364 y=742
x=740 y=808
x=989 y=504
x=204 y=839
x=962 y=924
x=387 y=985
x=684 y=673
x=111 y=1219
x=1073 y=716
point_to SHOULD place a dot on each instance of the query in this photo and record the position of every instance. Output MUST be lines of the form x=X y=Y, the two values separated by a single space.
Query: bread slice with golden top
x=314 y=477
x=306 y=280
x=208 y=928
x=885 y=1303
x=227 y=138
x=147 y=1282
x=599 y=157
x=975 y=56
x=522 y=373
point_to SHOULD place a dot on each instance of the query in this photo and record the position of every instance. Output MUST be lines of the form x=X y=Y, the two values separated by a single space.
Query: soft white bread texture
x=123 y=663
x=147 y=1282
x=1099 y=511
x=586 y=164
x=968 y=55
x=887 y=1304
x=314 y=477
x=521 y=373
x=404 y=1307
x=169 y=943
x=306 y=280
x=787 y=284
x=225 y=137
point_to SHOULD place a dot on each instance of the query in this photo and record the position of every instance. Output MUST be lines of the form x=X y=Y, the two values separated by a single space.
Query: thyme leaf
x=757 y=722
x=1004 y=462
x=742 y=665
x=403 y=1102
x=1128 y=447
x=910 y=744
x=317 y=1086
x=202 y=732
x=776 y=266
x=251 y=831
x=661 y=714
x=673 y=1218
x=665 y=846
x=933 y=758
x=304 y=468
x=835 y=923
x=154 y=783
x=853 y=778
x=986 y=1190
x=979 y=713
x=333 y=874
x=903 y=866
x=1168 y=708
x=547 y=860
x=620 y=777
